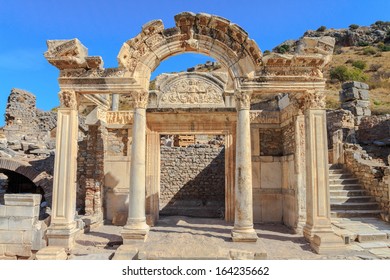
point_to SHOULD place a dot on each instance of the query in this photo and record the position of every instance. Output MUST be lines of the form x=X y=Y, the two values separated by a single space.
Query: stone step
x=340 y=176
x=347 y=187
x=349 y=193
x=354 y=206
x=339 y=181
x=336 y=171
x=354 y=213
x=343 y=199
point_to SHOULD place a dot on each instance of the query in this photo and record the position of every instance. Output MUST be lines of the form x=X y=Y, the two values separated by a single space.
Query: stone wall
x=374 y=178
x=271 y=143
x=193 y=180
x=355 y=97
x=340 y=119
x=288 y=139
x=21 y=233
x=90 y=171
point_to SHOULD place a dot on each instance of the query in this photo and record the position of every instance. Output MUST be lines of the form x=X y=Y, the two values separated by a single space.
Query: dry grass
x=377 y=70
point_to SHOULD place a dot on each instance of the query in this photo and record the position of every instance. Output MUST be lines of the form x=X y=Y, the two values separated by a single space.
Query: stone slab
x=381 y=252
x=126 y=252
x=51 y=253
x=22 y=199
x=366 y=237
x=373 y=245
x=101 y=256
x=327 y=243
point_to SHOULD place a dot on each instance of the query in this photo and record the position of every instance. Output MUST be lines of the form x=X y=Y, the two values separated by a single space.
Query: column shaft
x=136 y=227
x=115 y=102
x=243 y=218
x=63 y=226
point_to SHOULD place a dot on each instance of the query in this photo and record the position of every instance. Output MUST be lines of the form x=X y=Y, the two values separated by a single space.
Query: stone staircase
x=348 y=198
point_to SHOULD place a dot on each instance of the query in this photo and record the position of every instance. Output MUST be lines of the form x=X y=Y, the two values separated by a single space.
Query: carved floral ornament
x=311 y=100
x=140 y=98
x=68 y=99
x=243 y=99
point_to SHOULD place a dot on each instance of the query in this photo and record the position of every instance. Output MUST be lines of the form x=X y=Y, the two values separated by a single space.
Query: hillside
x=362 y=53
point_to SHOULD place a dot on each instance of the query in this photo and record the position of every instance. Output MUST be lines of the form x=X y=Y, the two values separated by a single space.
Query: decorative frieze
x=140 y=98
x=264 y=117
x=119 y=117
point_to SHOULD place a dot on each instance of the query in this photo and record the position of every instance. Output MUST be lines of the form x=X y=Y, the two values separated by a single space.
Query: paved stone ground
x=193 y=238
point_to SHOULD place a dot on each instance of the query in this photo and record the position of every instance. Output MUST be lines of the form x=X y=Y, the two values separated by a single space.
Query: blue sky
x=102 y=26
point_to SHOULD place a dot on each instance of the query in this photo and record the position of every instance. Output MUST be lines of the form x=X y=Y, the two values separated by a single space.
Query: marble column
x=243 y=219
x=63 y=227
x=136 y=227
x=318 y=229
x=115 y=102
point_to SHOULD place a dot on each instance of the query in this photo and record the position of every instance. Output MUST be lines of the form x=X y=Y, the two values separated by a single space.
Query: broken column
x=355 y=97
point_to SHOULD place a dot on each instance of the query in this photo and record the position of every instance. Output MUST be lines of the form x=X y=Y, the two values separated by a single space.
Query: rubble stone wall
x=194 y=173
x=271 y=143
x=374 y=178
x=288 y=139
x=374 y=128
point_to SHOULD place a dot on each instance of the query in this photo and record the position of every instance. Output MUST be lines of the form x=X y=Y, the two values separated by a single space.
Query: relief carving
x=313 y=100
x=119 y=117
x=68 y=99
x=264 y=117
x=189 y=90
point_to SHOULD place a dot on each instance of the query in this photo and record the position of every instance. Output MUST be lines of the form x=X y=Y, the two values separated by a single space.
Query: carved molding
x=264 y=117
x=68 y=99
x=119 y=117
x=243 y=99
x=140 y=98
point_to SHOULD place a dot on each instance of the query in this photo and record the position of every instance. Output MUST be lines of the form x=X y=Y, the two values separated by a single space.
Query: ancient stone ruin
x=260 y=151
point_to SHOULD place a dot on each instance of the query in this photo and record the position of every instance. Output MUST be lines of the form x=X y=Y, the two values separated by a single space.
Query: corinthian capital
x=243 y=99
x=68 y=99
x=140 y=98
x=311 y=100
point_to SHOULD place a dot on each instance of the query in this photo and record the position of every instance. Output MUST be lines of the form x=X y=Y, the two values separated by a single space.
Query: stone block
x=22 y=199
x=364 y=94
x=271 y=208
x=21 y=223
x=22 y=211
x=4 y=224
x=362 y=103
x=354 y=84
x=2 y=249
x=126 y=252
x=2 y=210
x=51 y=253
x=369 y=237
x=11 y=237
x=271 y=175
x=349 y=94
x=327 y=243
x=236 y=254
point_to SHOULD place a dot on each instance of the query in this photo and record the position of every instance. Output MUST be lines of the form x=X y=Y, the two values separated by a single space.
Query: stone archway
x=201 y=33
x=41 y=179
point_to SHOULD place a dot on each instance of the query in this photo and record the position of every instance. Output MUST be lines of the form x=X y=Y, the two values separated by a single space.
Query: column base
x=51 y=253
x=247 y=235
x=309 y=231
x=131 y=233
x=62 y=235
x=327 y=243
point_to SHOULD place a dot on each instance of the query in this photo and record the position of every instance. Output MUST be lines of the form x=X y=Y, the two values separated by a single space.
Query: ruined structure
x=276 y=167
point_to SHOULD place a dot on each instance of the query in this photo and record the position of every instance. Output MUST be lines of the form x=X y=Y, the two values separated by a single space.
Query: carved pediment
x=190 y=90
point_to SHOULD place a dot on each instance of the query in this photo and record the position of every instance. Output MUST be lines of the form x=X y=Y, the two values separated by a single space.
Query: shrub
x=360 y=64
x=266 y=52
x=344 y=73
x=283 y=48
x=383 y=47
x=363 y=44
x=321 y=28
x=369 y=51
x=353 y=26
